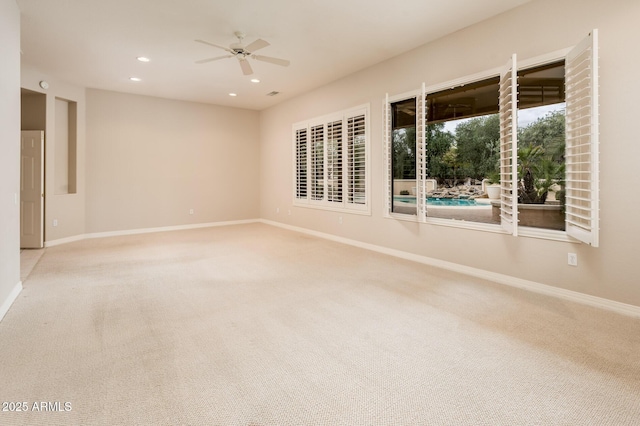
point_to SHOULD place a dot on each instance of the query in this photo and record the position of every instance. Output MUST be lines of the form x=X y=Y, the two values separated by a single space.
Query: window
x=317 y=162
x=331 y=156
x=301 y=163
x=531 y=131
x=403 y=156
x=334 y=162
x=462 y=144
x=541 y=146
x=357 y=160
x=439 y=158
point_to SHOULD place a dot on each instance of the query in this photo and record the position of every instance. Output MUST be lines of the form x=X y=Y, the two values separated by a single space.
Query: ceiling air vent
x=273 y=93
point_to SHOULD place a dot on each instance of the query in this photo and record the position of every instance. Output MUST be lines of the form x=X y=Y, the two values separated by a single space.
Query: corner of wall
x=10 y=158
x=13 y=295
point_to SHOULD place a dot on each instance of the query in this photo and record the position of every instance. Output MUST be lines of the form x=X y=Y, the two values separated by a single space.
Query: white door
x=31 y=189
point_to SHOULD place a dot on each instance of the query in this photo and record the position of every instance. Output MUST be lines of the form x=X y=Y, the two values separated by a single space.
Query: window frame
x=387 y=157
x=518 y=230
x=538 y=61
x=342 y=201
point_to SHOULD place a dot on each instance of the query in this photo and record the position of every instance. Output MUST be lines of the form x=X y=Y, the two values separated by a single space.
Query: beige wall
x=9 y=152
x=67 y=209
x=544 y=26
x=150 y=160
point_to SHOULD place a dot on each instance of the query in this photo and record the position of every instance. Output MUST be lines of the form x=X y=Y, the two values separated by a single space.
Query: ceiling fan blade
x=246 y=67
x=215 y=45
x=277 y=61
x=203 y=61
x=256 y=45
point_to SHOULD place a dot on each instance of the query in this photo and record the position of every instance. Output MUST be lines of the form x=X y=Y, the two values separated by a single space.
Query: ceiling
x=95 y=43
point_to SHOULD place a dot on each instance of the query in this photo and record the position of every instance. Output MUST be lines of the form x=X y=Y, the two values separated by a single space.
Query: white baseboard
x=67 y=240
x=145 y=231
x=573 y=296
x=10 y=299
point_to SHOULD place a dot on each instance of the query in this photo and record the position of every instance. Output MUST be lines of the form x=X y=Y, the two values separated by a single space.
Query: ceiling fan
x=242 y=53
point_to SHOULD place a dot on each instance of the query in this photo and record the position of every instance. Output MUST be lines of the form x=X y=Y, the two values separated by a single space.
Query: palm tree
x=537 y=172
x=528 y=159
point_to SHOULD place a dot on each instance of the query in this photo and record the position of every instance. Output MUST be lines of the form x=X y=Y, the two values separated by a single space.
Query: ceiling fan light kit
x=243 y=53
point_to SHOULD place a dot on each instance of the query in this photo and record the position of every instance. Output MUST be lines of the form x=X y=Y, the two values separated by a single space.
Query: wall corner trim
x=6 y=305
x=535 y=287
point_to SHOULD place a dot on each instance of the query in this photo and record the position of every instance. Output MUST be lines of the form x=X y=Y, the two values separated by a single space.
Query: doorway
x=32 y=189
x=32 y=202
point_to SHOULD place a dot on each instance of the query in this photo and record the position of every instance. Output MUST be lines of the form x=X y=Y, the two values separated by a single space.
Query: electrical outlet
x=289 y=212
x=572 y=259
x=340 y=220
x=55 y=222
x=190 y=211
x=277 y=210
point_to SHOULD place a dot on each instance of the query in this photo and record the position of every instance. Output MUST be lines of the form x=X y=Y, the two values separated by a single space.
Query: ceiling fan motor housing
x=238 y=49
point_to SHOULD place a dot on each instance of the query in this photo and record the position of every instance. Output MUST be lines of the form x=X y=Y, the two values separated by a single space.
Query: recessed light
x=255 y=80
x=135 y=79
x=143 y=59
x=233 y=94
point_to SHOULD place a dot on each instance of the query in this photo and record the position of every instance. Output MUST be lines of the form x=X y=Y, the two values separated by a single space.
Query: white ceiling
x=94 y=43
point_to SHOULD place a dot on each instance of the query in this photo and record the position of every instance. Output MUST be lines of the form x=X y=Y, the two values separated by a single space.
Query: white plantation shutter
x=388 y=172
x=331 y=161
x=356 y=160
x=582 y=140
x=334 y=161
x=301 y=163
x=421 y=157
x=508 y=110
x=317 y=162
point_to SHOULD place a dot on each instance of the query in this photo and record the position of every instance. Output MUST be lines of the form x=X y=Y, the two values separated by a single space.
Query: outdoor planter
x=548 y=216
x=493 y=191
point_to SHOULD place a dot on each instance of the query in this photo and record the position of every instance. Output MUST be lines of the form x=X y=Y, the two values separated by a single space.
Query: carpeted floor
x=255 y=325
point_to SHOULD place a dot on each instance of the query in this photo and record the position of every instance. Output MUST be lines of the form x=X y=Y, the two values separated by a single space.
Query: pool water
x=452 y=202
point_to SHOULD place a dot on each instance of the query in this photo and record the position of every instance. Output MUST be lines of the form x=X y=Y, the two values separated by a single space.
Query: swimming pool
x=445 y=202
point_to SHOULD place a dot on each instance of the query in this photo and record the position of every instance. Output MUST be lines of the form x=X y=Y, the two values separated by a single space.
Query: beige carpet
x=254 y=325
x=28 y=260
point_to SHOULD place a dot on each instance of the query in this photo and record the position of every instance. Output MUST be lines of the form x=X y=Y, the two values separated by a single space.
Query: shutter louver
x=388 y=172
x=301 y=163
x=421 y=157
x=509 y=148
x=582 y=140
x=356 y=157
x=334 y=161
x=317 y=162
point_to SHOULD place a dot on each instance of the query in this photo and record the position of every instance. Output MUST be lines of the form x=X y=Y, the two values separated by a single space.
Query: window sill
x=523 y=231
x=545 y=234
